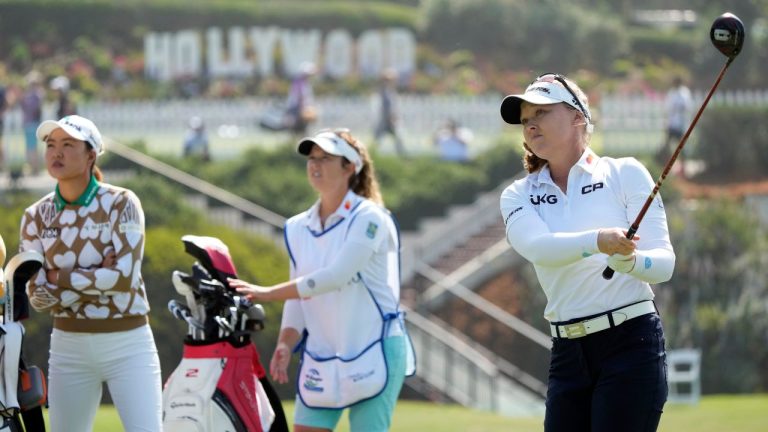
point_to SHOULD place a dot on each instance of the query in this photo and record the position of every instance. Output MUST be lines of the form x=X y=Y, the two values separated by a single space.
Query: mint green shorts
x=372 y=415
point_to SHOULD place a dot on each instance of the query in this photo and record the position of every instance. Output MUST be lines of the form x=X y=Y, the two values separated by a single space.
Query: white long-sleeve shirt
x=557 y=232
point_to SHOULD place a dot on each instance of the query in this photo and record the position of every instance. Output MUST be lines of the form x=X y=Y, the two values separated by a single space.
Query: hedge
x=124 y=22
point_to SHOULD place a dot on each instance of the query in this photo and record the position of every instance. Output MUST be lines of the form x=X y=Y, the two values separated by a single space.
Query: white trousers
x=127 y=361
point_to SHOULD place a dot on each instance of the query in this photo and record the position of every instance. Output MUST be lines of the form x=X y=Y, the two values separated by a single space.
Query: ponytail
x=97 y=173
x=363 y=183
x=531 y=162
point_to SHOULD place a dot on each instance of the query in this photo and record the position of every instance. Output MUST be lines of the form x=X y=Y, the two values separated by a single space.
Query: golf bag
x=22 y=388
x=220 y=384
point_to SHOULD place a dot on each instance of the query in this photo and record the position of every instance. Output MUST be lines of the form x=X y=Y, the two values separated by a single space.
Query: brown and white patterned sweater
x=75 y=238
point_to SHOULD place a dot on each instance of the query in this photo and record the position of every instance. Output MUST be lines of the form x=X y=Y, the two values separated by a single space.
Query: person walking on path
x=388 y=116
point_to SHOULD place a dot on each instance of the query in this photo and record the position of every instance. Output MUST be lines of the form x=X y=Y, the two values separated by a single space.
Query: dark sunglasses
x=551 y=78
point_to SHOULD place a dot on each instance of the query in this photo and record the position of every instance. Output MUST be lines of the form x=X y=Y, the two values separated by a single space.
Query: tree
x=718 y=298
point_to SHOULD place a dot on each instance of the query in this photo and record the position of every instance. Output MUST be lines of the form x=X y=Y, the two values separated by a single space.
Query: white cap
x=307 y=68
x=60 y=83
x=77 y=127
x=332 y=144
x=195 y=123
x=542 y=93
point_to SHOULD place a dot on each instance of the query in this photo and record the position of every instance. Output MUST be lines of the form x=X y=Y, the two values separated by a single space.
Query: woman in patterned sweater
x=92 y=237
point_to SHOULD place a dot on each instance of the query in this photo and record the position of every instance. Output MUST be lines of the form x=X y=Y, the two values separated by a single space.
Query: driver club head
x=727 y=34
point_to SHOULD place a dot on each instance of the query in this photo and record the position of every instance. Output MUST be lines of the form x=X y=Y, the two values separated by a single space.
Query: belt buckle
x=575 y=330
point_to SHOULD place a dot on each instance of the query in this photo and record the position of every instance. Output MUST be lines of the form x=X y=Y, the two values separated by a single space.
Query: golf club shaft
x=608 y=272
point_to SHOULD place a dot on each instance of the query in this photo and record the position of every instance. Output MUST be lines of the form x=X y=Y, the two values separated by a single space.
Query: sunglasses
x=553 y=77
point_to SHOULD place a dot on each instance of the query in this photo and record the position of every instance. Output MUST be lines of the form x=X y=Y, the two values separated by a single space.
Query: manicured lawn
x=748 y=413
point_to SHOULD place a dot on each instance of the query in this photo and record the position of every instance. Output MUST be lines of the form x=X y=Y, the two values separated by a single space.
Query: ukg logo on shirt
x=543 y=199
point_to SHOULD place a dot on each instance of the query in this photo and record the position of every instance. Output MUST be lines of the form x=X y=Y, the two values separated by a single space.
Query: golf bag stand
x=22 y=389
x=220 y=384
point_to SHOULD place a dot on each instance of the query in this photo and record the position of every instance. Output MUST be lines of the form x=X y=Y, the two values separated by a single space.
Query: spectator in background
x=452 y=142
x=387 y=107
x=678 y=105
x=196 y=141
x=32 y=113
x=66 y=106
x=300 y=106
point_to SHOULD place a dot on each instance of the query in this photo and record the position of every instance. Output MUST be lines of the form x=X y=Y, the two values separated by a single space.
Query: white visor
x=79 y=128
x=541 y=93
x=332 y=144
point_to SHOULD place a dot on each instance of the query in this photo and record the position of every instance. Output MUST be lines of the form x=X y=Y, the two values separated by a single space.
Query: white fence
x=233 y=124
x=636 y=124
x=627 y=123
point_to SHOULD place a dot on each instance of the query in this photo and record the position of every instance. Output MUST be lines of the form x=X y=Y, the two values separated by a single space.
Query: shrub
x=716 y=299
x=733 y=142
x=549 y=36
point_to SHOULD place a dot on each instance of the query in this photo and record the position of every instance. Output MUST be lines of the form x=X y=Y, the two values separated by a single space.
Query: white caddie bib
x=333 y=380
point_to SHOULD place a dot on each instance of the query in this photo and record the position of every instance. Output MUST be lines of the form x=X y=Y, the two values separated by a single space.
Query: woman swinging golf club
x=607 y=366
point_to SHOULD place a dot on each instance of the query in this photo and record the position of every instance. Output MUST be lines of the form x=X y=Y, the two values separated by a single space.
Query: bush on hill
x=733 y=143
x=716 y=300
x=507 y=40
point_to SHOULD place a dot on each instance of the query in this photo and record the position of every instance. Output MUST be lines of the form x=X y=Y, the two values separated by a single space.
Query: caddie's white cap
x=77 y=127
x=333 y=144
x=543 y=91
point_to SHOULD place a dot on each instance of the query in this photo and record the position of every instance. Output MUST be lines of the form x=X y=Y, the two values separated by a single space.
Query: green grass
x=747 y=413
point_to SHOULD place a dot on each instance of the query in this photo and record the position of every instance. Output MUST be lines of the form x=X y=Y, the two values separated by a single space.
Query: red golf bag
x=220 y=384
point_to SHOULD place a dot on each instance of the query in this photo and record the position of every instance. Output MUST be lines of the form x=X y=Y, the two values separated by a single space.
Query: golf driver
x=727 y=35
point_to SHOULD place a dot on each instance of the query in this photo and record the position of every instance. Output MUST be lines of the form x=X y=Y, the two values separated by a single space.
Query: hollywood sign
x=242 y=53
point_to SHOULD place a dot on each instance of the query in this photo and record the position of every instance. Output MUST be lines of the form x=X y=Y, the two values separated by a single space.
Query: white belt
x=602 y=322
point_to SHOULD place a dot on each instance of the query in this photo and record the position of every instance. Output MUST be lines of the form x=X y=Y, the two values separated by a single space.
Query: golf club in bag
x=727 y=35
x=22 y=387
x=220 y=384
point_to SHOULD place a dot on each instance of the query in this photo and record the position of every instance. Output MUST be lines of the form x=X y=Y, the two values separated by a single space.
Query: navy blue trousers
x=609 y=381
